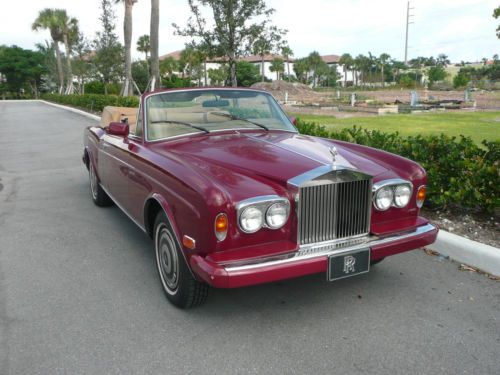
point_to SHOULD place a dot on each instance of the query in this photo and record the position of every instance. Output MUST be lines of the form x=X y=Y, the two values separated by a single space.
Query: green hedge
x=460 y=173
x=93 y=102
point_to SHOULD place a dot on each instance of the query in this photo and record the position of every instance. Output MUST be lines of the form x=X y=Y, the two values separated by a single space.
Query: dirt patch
x=477 y=227
x=297 y=92
x=484 y=99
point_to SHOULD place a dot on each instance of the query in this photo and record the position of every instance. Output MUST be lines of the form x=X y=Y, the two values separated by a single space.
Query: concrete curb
x=74 y=110
x=475 y=254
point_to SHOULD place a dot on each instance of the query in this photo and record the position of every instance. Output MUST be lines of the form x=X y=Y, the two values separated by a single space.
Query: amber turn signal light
x=421 y=193
x=188 y=242
x=221 y=225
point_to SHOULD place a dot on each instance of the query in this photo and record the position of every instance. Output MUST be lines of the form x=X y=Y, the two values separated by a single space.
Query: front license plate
x=348 y=264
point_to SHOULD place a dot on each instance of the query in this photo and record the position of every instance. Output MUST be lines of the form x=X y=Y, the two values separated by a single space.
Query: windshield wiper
x=233 y=117
x=182 y=123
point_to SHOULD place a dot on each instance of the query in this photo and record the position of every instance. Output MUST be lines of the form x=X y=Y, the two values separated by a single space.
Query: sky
x=462 y=29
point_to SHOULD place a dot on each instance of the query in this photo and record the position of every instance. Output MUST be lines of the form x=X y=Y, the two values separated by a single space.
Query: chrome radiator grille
x=334 y=210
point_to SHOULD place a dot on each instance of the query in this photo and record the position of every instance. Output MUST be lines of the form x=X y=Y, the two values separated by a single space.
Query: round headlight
x=251 y=219
x=383 y=198
x=402 y=195
x=277 y=215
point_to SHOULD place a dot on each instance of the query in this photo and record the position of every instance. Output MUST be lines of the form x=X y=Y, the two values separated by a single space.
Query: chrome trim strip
x=392 y=181
x=309 y=176
x=325 y=249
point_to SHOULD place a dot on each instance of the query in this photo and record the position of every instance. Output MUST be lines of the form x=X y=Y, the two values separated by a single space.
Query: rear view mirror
x=215 y=103
x=293 y=120
x=119 y=129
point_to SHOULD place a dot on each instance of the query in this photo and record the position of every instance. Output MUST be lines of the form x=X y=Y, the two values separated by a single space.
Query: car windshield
x=177 y=113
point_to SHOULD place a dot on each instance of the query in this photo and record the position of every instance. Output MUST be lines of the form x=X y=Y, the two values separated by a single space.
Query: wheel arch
x=153 y=205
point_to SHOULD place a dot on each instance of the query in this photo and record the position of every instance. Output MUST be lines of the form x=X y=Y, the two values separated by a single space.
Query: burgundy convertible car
x=233 y=195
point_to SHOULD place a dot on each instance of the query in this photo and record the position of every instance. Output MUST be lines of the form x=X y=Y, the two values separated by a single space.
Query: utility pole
x=408 y=23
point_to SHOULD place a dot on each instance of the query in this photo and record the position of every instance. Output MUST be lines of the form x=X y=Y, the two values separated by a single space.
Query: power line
x=408 y=23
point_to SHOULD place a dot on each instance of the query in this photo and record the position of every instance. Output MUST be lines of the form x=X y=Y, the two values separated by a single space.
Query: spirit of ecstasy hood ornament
x=334 y=152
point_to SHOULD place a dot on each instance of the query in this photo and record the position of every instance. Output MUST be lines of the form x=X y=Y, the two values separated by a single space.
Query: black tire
x=99 y=196
x=181 y=289
x=374 y=262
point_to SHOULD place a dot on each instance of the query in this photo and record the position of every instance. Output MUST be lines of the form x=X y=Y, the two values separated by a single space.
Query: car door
x=113 y=168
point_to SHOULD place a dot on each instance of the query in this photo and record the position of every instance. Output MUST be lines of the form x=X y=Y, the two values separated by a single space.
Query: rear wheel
x=180 y=287
x=99 y=196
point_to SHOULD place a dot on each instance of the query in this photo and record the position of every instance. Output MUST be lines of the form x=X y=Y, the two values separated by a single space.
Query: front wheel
x=180 y=287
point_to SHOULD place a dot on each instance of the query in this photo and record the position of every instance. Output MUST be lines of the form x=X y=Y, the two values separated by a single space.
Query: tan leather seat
x=118 y=114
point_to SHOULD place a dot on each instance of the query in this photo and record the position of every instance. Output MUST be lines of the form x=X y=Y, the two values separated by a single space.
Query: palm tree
x=168 y=66
x=47 y=20
x=154 y=33
x=128 y=89
x=362 y=64
x=315 y=61
x=144 y=45
x=346 y=61
x=278 y=66
x=287 y=52
x=262 y=47
x=383 y=59
x=442 y=60
x=70 y=32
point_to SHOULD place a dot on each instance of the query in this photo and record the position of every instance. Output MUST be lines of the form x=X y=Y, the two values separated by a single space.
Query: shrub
x=93 y=102
x=97 y=87
x=94 y=87
x=460 y=173
x=407 y=81
x=460 y=80
x=175 y=82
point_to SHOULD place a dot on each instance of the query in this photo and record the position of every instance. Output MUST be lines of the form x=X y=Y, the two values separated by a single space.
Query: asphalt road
x=79 y=291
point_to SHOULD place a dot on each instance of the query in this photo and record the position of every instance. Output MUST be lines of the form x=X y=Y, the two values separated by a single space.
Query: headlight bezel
x=262 y=203
x=392 y=184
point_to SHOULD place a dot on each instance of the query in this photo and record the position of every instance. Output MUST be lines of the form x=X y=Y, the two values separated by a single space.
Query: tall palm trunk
x=154 y=40
x=59 y=67
x=69 y=82
x=128 y=89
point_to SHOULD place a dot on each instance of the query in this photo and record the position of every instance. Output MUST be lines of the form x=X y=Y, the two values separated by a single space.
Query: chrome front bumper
x=328 y=248
x=307 y=260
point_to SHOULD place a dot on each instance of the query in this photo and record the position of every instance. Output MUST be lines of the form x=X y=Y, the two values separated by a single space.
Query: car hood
x=277 y=156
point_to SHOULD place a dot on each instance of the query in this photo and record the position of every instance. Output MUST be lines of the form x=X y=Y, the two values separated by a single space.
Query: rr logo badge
x=349 y=262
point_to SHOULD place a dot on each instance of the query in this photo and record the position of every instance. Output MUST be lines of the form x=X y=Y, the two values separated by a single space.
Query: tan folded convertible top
x=118 y=114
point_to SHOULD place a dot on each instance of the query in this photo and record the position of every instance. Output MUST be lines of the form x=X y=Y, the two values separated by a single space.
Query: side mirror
x=119 y=129
x=293 y=121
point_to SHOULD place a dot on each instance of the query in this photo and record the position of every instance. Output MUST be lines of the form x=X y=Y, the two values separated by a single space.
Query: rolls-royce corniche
x=233 y=195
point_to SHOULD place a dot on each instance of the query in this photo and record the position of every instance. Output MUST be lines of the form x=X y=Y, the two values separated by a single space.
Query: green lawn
x=477 y=125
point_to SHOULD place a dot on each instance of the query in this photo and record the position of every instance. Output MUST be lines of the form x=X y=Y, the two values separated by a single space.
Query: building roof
x=331 y=59
x=266 y=58
x=176 y=55
x=252 y=58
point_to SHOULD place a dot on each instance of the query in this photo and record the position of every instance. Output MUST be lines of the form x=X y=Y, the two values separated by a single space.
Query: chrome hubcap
x=93 y=181
x=167 y=259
